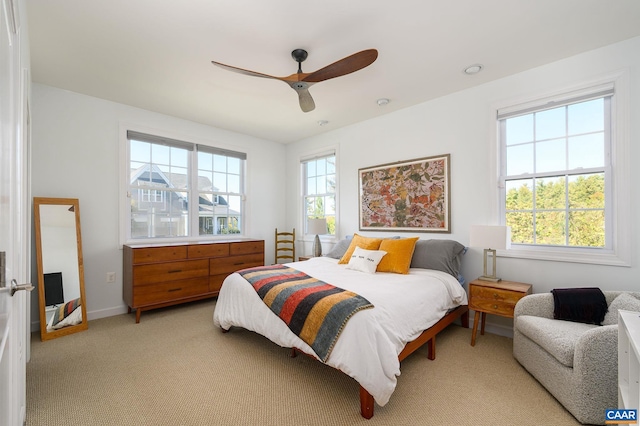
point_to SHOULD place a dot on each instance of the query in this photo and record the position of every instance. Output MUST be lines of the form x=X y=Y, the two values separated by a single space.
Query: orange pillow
x=399 y=254
x=363 y=243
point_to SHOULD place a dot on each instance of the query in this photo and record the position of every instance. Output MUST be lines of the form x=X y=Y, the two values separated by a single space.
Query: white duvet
x=368 y=348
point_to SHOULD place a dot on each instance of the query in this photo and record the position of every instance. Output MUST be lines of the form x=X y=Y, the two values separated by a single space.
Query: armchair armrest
x=597 y=346
x=538 y=305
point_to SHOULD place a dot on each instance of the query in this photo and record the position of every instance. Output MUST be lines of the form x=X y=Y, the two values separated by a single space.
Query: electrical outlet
x=111 y=277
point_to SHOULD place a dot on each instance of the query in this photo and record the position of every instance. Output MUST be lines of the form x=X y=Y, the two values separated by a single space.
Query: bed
x=408 y=311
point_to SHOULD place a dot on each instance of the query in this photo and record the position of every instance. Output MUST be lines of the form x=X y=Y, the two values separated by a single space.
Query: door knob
x=17 y=287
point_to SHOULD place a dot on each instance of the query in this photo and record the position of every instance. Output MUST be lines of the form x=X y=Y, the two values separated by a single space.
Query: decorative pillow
x=64 y=311
x=362 y=242
x=340 y=248
x=624 y=301
x=441 y=255
x=399 y=253
x=365 y=260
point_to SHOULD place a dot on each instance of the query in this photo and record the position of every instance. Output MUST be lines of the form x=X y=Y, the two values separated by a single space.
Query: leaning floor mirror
x=60 y=268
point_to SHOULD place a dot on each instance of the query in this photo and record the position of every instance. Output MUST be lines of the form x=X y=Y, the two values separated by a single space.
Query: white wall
x=75 y=154
x=460 y=124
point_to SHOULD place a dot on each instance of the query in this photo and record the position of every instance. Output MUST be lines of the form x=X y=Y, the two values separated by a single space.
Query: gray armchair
x=577 y=363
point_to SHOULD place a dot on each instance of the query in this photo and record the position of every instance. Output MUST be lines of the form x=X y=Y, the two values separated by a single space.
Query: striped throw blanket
x=314 y=310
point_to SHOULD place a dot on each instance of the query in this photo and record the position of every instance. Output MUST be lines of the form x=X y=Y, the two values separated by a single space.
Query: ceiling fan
x=300 y=81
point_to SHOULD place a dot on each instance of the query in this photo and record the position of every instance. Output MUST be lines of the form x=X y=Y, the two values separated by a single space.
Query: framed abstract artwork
x=406 y=196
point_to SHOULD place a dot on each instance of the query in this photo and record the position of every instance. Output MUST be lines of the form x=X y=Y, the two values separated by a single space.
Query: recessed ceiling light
x=382 y=101
x=473 y=69
x=322 y=122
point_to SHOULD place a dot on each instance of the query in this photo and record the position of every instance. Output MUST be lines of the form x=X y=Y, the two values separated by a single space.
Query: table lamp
x=491 y=238
x=318 y=227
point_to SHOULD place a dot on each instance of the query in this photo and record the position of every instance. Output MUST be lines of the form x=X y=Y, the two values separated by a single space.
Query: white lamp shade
x=317 y=226
x=491 y=237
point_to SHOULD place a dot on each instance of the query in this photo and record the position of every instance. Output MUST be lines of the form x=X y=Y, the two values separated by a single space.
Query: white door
x=14 y=217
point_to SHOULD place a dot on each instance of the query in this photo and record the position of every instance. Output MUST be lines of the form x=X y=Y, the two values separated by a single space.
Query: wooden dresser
x=156 y=275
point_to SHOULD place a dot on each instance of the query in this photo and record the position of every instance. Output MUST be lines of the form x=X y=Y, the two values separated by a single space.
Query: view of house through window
x=319 y=183
x=161 y=176
x=555 y=168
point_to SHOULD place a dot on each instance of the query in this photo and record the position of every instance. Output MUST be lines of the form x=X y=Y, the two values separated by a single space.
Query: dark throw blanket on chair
x=586 y=305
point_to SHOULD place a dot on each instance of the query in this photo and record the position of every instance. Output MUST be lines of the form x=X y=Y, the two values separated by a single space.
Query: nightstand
x=303 y=258
x=499 y=298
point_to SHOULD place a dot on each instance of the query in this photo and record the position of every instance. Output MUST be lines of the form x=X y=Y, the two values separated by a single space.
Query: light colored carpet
x=176 y=368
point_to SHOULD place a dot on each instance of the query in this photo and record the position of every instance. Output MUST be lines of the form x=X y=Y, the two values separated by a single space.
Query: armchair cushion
x=558 y=338
x=624 y=301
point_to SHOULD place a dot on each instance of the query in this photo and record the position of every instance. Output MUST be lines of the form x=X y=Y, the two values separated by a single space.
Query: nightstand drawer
x=497 y=307
x=495 y=294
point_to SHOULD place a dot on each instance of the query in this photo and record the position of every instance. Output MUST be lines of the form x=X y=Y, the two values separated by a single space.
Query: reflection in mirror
x=60 y=268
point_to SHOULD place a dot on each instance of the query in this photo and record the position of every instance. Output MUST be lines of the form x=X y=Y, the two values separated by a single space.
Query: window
x=319 y=189
x=160 y=184
x=557 y=174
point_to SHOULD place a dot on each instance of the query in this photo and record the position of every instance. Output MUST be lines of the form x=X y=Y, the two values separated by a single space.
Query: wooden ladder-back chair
x=285 y=246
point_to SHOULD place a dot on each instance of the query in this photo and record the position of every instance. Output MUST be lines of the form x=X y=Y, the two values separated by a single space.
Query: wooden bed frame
x=428 y=336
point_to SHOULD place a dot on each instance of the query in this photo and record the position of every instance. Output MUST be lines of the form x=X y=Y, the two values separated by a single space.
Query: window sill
x=560 y=254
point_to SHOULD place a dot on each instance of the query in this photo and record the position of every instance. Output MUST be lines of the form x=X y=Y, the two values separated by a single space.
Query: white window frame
x=302 y=209
x=618 y=252
x=124 y=187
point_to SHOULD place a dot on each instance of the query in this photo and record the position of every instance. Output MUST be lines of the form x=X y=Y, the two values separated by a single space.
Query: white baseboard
x=498 y=329
x=110 y=312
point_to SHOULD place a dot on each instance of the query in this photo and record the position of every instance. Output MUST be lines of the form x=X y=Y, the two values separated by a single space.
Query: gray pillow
x=441 y=255
x=624 y=301
x=340 y=248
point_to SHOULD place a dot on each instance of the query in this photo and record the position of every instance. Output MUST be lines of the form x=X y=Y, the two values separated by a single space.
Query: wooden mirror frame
x=73 y=203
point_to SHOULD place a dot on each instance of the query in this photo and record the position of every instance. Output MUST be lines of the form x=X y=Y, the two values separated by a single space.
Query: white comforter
x=368 y=348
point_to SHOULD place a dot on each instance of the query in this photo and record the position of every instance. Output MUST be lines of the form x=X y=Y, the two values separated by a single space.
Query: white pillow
x=365 y=260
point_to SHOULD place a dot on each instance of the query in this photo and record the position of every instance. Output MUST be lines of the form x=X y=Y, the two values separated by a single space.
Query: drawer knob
x=495 y=295
x=495 y=306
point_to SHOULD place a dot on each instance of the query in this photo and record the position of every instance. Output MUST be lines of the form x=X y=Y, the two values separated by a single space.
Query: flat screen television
x=53 y=293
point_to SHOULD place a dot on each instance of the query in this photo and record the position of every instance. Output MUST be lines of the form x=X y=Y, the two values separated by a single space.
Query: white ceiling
x=156 y=54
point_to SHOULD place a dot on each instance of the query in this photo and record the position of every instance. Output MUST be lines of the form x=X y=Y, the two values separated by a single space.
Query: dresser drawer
x=208 y=250
x=247 y=247
x=159 y=254
x=227 y=265
x=169 y=291
x=215 y=282
x=170 y=271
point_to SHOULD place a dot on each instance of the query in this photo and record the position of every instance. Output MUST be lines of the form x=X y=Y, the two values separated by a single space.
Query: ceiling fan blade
x=243 y=71
x=344 y=66
x=304 y=97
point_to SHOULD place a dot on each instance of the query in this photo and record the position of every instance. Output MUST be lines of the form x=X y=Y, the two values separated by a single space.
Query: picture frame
x=408 y=195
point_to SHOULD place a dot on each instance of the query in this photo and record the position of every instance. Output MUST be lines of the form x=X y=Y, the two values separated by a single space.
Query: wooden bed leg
x=431 y=348
x=293 y=353
x=366 y=403
x=464 y=318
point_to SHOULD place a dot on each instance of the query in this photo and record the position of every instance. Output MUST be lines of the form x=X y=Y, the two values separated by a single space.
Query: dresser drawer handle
x=495 y=295
x=495 y=306
x=175 y=289
x=239 y=263
x=173 y=271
